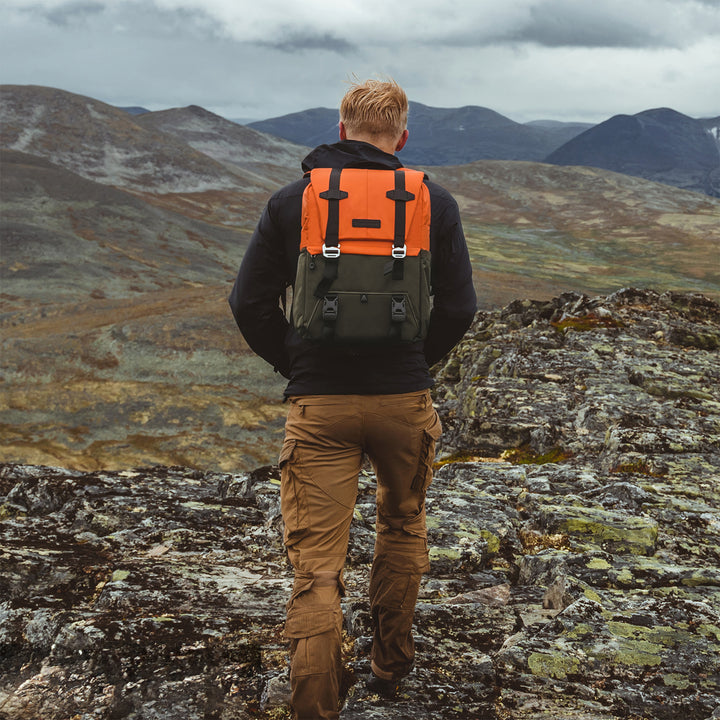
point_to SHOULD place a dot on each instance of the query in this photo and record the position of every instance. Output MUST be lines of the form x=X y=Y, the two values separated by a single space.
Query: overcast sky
x=527 y=59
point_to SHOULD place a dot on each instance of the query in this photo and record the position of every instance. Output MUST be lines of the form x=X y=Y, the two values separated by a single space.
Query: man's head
x=375 y=111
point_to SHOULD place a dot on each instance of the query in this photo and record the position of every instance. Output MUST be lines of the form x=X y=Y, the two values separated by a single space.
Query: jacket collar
x=350 y=153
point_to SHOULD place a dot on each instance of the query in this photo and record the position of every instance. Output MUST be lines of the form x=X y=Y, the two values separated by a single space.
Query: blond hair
x=374 y=108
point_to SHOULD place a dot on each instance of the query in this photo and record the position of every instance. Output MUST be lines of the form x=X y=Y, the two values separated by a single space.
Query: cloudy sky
x=527 y=59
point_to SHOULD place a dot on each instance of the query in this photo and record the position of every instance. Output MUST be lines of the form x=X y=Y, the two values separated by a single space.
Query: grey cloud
x=600 y=24
x=137 y=16
x=565 y=25
x=613 y=24
x=291 y=41
x=72 y=12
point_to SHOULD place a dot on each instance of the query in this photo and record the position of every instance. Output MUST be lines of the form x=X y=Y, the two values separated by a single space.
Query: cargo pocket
x=308 y=623
x=305 y=616
x=423 y=476
x=314 y=642
x=389 y=588
x=293 y=500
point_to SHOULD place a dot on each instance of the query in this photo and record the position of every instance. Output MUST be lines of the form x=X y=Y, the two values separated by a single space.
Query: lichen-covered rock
x=574 y=532
x=586 y=376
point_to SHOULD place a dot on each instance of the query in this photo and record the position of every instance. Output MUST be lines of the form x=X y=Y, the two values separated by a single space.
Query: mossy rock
x=609 y=530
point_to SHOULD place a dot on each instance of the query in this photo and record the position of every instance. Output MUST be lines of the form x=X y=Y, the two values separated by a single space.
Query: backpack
x=363 y=274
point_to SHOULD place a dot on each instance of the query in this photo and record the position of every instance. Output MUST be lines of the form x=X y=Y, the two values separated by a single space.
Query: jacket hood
x=350 y=153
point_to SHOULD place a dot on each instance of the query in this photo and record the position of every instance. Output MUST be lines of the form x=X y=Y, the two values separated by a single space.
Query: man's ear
x=343 y=132
x=402 y=140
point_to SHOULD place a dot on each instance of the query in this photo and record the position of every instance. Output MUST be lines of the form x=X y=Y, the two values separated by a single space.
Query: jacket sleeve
x=258 y=291
x=454 y=298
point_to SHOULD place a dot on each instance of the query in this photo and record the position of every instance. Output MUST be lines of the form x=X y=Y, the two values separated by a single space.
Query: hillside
x=67 y=238
x=103 y=143
x=118 y=347
x=257 y=154
x=534 y=228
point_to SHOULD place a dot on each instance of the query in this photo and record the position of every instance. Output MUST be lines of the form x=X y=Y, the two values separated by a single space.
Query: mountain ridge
x=440 y=136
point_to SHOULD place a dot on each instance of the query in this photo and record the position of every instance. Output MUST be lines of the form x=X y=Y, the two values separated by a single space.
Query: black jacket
x=269 y=266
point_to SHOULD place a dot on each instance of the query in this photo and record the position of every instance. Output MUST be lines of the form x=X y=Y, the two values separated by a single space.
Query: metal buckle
x=399 y=252
x=331 y=252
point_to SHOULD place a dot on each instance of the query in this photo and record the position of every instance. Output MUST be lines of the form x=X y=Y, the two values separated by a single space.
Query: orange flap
x=366 y=222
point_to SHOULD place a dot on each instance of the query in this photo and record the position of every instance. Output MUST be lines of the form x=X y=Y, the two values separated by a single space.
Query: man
x=347 y=402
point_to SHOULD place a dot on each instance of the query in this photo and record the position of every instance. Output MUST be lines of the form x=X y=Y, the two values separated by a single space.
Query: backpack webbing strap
x=400 y=195
x=333 y=195
x=330 y=273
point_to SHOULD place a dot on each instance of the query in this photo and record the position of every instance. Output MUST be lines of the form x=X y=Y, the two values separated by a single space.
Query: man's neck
x=384 y=144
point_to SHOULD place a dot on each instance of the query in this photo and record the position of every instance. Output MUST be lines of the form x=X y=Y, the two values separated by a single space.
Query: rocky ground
x=574 y=523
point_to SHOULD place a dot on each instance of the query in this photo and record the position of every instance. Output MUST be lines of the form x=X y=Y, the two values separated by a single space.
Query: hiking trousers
x=326 y=437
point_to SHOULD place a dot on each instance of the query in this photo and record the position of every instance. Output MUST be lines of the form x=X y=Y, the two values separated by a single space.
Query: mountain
x=152 y=154
x=457 y=136
x=439 y=136
x=103 y=143
x=661 y=145
x=308 y=127
x=227 y=142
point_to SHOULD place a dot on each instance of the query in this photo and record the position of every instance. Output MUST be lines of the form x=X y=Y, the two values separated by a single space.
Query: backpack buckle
x=398 y=313
x=331 y=252
x=399 y=252
x=330 y=308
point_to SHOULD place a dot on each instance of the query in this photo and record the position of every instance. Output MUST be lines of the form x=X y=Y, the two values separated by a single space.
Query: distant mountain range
x=440 y=136
x=121 y=235
x=660 y=145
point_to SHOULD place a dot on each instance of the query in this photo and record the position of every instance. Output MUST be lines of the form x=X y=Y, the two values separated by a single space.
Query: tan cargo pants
x=325 y=438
